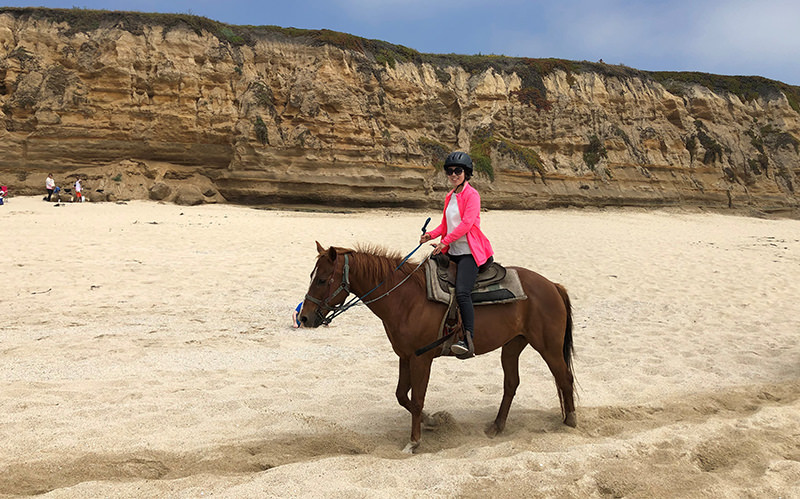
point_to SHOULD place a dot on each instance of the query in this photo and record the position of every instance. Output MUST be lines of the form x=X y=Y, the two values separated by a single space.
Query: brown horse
x=411 y=322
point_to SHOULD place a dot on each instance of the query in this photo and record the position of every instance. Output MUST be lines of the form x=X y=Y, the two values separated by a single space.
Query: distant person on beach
x=50 y=185
x=78 y=195
x=462 y=239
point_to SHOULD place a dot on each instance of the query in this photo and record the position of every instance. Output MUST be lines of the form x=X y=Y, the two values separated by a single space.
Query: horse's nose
x=303 y=320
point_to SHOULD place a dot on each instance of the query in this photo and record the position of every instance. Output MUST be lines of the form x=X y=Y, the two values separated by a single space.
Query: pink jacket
x=469 y=207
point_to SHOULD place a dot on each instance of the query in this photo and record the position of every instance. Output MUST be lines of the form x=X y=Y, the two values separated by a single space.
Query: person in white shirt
x=78 y=194
x=50 y=185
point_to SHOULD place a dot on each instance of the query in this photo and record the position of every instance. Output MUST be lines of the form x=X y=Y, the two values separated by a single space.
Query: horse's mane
x=379 y=264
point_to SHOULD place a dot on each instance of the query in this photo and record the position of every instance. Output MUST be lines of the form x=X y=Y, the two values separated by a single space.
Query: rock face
x=145 y=106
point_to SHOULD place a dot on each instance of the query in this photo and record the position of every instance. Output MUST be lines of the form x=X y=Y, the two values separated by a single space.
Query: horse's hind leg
x=510 y=362
x=564 y=382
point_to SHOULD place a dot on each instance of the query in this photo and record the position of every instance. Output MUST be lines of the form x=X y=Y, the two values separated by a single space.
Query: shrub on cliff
x=484 y=143
x=594 y=152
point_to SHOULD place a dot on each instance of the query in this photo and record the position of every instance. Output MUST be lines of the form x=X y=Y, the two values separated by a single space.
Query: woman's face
x=455 y=175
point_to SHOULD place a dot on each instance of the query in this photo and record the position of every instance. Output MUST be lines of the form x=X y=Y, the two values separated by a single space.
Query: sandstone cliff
x=185 y=109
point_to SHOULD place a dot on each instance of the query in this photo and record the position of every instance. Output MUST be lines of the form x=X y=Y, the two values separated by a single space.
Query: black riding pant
x=466 y=273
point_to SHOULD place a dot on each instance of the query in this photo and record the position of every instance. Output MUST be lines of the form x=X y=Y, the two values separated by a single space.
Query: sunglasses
x=454 y=171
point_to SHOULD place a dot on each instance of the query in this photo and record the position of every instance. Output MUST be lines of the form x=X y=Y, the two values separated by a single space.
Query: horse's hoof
x=441 y=419
x=492 y=430
x=411 y=447
x=429 y=423
x=571 y=420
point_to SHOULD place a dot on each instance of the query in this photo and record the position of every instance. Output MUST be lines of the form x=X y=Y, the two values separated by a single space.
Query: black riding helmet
x=461 y=159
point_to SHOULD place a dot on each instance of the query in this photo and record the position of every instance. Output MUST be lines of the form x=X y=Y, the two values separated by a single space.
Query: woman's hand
x=438 y=249
x=424 y=238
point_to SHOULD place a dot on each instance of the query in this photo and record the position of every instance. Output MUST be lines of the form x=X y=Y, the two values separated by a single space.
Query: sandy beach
x=146 y=351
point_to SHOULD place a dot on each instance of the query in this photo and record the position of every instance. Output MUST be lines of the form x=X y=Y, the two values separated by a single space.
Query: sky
x=734 y=37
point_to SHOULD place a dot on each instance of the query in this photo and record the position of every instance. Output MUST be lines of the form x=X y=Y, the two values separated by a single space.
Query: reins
x=398 y=284
x=345 y=285
x=352 y=302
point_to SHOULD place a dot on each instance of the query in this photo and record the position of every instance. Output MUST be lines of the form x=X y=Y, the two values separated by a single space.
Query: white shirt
x=459 y=246
x=78 y=186
x=50 y=183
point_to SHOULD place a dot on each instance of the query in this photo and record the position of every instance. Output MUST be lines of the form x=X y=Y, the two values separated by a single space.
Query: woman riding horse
x=462 y=240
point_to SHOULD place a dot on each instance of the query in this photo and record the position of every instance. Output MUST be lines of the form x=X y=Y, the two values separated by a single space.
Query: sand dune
x=146 y=352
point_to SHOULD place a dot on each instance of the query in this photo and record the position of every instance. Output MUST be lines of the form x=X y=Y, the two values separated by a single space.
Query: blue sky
x=736 y=37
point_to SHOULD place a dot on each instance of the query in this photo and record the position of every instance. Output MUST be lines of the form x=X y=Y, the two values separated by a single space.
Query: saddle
x=494 y=284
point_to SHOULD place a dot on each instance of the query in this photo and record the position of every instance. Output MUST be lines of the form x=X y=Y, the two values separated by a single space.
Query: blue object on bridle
x=336 y=311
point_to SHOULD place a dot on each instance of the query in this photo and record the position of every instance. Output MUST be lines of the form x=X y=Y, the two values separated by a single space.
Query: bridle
x=325 y=305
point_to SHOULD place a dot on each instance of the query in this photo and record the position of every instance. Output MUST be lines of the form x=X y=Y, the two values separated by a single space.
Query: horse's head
x=329 y=286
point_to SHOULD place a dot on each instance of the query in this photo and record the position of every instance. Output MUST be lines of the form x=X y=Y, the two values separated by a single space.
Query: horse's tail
x=568 y=348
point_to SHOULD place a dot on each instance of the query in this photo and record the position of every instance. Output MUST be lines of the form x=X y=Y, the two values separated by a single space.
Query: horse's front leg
x=404 y=385
x=420 y=372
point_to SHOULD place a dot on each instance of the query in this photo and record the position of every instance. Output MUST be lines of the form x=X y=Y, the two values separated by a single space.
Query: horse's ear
x=332 y=254
x=320 y=249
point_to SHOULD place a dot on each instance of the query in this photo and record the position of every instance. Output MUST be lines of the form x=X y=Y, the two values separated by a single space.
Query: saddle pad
x=485 y=292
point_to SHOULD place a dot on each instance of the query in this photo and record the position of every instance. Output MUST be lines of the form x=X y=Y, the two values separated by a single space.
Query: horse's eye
x=320 y=281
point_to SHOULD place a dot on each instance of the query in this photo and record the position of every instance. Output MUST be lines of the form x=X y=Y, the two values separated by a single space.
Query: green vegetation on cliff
x=595 y=152
x=747 y=88
x=484 y=142
x=483 y=145
x=80 y=20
